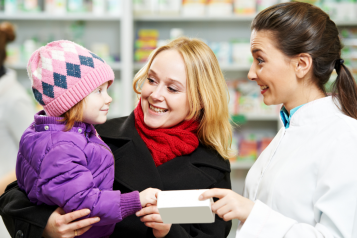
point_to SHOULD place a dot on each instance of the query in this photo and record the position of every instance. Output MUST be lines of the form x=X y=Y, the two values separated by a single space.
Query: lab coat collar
x=315 y=111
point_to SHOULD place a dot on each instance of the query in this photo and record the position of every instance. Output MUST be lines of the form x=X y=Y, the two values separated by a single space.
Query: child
x=62 y=161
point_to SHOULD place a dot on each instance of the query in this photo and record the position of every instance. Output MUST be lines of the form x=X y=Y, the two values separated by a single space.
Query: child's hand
x=148 y=196
x=230 y=204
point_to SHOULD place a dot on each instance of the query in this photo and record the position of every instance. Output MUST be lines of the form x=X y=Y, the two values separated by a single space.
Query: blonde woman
x=178 y=137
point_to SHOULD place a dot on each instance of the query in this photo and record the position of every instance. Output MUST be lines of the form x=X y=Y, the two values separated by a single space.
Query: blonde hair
x=75 y=114
x=207 y=91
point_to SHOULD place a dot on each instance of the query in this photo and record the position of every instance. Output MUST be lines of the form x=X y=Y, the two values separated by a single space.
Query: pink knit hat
x=63 y=73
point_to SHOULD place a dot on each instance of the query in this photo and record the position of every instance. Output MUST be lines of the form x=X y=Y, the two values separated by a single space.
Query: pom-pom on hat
x=63 y=73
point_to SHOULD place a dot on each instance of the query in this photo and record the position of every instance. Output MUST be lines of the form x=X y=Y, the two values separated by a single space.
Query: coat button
x=80 y=130
x=19 y=234
x=46 y=128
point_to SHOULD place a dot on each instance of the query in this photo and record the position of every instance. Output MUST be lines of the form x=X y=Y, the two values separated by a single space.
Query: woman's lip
x=156 y=113
x=157 y=107
x=263 y=91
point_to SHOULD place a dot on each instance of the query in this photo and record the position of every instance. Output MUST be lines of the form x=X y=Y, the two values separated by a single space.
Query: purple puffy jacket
x=73 y=170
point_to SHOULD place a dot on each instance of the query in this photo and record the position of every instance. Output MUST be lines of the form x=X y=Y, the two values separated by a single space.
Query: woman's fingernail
x=87 y=211
x=200 y=197
x=137 y=214
x=97 y=219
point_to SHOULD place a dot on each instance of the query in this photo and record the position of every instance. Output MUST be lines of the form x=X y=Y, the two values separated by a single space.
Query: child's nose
x=109 y=99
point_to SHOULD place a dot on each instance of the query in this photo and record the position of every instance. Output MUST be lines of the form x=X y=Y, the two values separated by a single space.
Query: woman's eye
x=151 y=80
x=172 y=90
x=260 y=60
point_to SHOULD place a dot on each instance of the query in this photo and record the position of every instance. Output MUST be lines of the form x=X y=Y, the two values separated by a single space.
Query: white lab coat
x=304 y=184
x=16 y=114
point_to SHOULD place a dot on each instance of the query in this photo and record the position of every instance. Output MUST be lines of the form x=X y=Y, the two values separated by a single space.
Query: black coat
x=134 y=170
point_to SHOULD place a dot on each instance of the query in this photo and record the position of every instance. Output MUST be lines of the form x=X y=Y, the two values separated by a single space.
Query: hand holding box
x=183 y=206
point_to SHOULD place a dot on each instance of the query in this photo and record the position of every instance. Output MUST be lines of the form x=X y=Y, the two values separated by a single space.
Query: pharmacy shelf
x=234 y=67
x=232 y=18
x=179 y=18
x=60 y=17
x=242 y=164
x=262 y=117
x=17 y=66
x=345 y=23
x=23 y=66
x=242 y=119
x=224 y=67
x=116 y=66
x=138 y=66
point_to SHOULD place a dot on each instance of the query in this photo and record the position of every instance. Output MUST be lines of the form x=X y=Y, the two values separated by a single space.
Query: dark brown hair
x=303 y=28
x=7 y=34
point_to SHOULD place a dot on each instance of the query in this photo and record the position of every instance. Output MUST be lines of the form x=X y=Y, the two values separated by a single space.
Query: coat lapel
x=187 y=172
x=179 y=173
x=134 y=165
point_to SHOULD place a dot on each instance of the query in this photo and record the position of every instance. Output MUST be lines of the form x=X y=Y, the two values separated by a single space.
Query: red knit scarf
x=167 y=143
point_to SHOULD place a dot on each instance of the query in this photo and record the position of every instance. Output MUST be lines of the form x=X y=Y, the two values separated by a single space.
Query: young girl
x=304 y=184
x=62 y=161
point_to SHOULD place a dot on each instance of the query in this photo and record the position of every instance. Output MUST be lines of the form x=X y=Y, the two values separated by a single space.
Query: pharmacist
x=304 y=185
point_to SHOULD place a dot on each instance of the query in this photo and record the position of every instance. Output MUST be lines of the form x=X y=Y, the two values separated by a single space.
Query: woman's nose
x=251 y=74
x=157 y=94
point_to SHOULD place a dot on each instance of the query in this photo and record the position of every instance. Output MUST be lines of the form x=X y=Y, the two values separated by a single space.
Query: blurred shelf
x=115 y=66
x=23 y=66
x=262 y=117
x=345 y=23
x=234 y=67
x=242 y=18
x=242 y=119
x=138 y=66
x=64 y=17
x=242 y=164
x=232 y=18
x=224 y=67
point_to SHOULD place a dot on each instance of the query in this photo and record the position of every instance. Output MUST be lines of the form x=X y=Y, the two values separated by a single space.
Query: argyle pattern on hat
x=66 y=71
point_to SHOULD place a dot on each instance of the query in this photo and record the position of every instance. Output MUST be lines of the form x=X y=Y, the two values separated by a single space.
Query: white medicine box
x=183 y=206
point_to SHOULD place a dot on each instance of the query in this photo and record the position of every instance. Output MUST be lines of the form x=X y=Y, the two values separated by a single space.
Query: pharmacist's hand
x=61 y=225
x=148 y=196
x=230 y=204
x=151 y=218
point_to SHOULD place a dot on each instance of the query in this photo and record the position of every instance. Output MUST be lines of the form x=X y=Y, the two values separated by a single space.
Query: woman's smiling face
x=272 y=70
x=164 y=95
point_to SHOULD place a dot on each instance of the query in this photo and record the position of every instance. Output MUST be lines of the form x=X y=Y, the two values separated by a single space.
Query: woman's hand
x=61 y=225
x=151 y=218
x=230 y=204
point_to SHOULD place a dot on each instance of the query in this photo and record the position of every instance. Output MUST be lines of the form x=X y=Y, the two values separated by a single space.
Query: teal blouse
x=286 y=117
